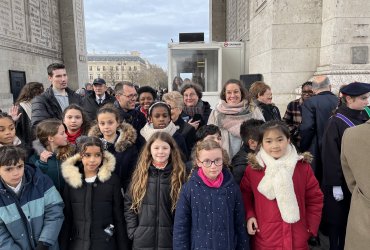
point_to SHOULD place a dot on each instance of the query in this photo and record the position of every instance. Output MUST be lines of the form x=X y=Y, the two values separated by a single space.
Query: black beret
x=355 y=89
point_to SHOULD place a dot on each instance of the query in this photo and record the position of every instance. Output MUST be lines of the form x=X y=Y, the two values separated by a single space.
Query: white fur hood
x=73 y=176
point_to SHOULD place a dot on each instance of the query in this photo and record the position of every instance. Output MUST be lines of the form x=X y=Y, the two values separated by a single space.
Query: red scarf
x=72 y=137
x=211 y=183
x=159 y=165
x=144 y=111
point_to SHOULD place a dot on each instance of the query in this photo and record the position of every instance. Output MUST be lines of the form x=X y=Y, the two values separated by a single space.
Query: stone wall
x=290 y=41
x=31 y=39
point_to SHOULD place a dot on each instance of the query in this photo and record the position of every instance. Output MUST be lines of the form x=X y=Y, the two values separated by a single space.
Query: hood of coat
x=73 y=176
x=252 y=160
x=127 y=136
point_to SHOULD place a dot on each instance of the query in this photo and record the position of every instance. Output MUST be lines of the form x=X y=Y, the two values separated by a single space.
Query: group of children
x=115 y=198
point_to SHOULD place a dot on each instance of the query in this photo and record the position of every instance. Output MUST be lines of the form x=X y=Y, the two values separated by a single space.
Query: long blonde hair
x=139 y=181
x=208 y=144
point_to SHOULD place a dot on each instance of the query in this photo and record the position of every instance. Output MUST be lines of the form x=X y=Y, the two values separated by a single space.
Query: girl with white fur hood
x=93 y=200
x=282 y=197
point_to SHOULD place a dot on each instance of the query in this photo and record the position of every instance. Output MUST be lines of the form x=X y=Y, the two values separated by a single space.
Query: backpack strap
x=345 y=119
x=367 y=109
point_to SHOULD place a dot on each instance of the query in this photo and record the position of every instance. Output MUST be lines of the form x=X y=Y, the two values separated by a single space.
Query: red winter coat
x=274 y=233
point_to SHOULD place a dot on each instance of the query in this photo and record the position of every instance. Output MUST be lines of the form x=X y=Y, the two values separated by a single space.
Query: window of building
x=111 y=67
x=90 y=68
x=129 y=68
x=103 y=68
x=123 y=68
x=91 y=76
x=97 y=68
x=98 y=75
x=135 y=68
x=117 y=68
x=117 y=77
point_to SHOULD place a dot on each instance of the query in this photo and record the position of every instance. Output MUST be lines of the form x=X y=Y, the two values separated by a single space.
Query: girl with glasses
x=210 y=213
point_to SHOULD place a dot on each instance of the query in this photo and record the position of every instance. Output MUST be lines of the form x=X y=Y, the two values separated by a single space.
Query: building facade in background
x=116 y=67
x=34 y=34
x=289 y=41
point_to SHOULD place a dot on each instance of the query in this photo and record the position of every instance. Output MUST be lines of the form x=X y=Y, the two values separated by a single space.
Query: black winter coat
x=240 y=162
x=46 y=106
x=23 y=128
x=123 y=149
x=270 y=111
x=316 y=112
x=91 y=106
x=91 y=207
x=188 y=132
x=337 y=212
x=152 y=227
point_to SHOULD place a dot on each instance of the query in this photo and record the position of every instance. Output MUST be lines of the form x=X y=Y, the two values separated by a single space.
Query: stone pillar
x=284 y=44
x=217 y=20
x=74 y=42
x=345 y=41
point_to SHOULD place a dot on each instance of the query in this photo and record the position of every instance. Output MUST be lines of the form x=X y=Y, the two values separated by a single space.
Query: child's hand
x=13 y=112
x=44 y=156
x=252 y=226
x=195 y=124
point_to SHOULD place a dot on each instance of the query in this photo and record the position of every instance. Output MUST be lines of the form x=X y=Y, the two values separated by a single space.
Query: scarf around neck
x=211 y=183
x=147 y=131
x=72 y=137
x=278 y=182
x=197 y=109
x=231 y=116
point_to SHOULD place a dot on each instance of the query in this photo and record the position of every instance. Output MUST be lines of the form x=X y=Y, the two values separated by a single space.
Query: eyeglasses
x=132 y=96
x=208 y=163
x=309 y=92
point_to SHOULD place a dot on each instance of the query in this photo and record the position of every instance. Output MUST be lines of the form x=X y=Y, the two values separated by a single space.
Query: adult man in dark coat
x=56 y=98
x=126 y=97
x=96 y=98
x=316 y=112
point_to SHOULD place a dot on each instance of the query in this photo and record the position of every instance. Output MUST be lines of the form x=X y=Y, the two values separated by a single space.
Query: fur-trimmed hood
x=127 y=136
x=252 y=160
x=73 y=176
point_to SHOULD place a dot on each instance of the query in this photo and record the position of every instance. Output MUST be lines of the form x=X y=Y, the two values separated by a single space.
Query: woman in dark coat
x=337 y=197
x=196 y=111
x=23 y=124
x=262 y=96
x=93 y=200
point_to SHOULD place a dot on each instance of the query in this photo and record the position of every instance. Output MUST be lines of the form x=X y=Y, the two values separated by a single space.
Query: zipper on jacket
x=157 y=208
x=23 y=217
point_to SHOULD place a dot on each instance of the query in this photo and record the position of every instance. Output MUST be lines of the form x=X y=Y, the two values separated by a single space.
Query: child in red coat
x=281 y=195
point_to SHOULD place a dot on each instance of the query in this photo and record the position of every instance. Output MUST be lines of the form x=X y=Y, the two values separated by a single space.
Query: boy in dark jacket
x=31 y=209
x=249 y=134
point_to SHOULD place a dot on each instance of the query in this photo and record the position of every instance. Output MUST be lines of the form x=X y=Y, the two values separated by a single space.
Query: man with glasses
x=126 y=97
x=293 y=116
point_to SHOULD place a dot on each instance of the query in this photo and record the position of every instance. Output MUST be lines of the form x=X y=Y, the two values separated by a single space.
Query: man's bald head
x=320 y=83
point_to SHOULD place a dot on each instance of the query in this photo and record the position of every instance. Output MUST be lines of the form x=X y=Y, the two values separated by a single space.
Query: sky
x=121 y=26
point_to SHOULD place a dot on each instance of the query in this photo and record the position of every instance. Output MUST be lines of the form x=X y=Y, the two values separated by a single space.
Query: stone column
x=217 y=20
x=74 y=42
x=284 y=44
x=345 y=41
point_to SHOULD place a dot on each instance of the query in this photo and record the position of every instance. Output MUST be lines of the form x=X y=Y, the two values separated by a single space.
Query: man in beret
x=96 y=98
